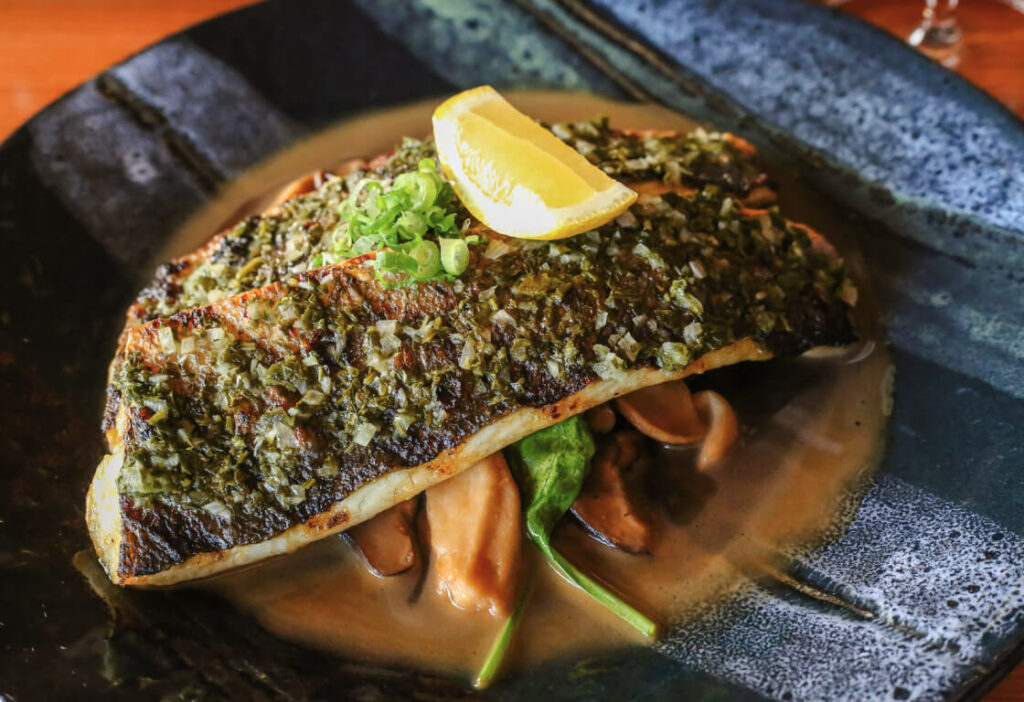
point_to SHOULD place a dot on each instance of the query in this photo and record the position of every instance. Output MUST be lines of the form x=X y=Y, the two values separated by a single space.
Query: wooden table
x=49 y=46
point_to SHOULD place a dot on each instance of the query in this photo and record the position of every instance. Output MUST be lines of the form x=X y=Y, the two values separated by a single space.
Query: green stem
x=496 y=656
x=568 y=571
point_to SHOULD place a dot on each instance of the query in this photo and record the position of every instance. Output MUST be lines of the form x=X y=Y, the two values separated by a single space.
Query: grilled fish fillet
x=308 y=402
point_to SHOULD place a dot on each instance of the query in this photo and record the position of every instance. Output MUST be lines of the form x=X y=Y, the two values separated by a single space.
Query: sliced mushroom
x=630 y=445
x=664 y=412
x=723 y=428
x=386 y=541
x=601 y=419
x=673 y=480
x=604 y=505
x=476 y=535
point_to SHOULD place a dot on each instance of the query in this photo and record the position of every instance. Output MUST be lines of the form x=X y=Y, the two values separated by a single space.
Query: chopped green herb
x=694 y=157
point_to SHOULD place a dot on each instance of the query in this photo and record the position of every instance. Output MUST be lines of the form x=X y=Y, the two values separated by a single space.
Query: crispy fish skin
x=121 y=532
x=144 y=539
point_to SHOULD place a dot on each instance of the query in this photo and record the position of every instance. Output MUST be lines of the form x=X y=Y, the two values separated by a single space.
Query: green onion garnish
x=395 y=222
x=454 y=255
x=428 y=258
x=396 y=262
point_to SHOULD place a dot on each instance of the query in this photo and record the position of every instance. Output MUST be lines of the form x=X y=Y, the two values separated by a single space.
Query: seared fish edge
x=103 y=508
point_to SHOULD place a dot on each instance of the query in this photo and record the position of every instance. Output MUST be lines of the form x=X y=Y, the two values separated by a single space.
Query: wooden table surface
x=49 y=46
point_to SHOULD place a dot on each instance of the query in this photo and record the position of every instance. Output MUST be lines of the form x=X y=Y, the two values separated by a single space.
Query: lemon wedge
x=515 y=176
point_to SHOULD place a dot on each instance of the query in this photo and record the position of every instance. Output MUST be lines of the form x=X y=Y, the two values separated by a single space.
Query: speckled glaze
x=929 y=574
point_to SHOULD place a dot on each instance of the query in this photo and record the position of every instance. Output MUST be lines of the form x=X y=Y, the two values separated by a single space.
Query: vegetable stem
x=590 y=586
x=496 y=656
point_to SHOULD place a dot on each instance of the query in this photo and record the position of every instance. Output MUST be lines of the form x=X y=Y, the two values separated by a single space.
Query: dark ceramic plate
x=926 y=585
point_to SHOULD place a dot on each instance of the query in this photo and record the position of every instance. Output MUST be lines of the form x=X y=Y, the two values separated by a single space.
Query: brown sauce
x=812 y=431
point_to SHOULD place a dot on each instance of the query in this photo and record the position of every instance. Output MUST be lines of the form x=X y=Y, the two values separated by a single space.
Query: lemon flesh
x=515 y=176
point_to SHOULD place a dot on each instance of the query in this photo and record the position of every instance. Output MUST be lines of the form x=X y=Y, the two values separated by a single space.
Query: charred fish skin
x=693 y=159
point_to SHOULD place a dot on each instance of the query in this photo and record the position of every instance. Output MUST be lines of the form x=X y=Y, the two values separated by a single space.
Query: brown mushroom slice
x=476 y=535
x=386 y=541
x=600 y=419
x=664 y=412
x=723 y=427
x=630 y=445
x=604 y=506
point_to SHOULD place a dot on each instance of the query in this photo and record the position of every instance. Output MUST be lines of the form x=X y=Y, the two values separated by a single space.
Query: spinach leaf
x=549 y=467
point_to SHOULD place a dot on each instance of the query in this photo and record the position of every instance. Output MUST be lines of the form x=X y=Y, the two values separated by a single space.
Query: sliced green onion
x=394 y=220
x=363 y=245
x=412 y=224
x=428 y=257
x=454 y=255
x=423 y=187
x=396 y=262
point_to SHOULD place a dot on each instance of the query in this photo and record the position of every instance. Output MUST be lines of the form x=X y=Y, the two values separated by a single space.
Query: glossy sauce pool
x=812 y=432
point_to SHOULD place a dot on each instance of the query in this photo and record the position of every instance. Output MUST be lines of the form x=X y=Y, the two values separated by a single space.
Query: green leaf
x=550 y=466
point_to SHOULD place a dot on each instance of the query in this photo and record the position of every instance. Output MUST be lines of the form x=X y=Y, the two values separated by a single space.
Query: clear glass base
x=939 y=41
